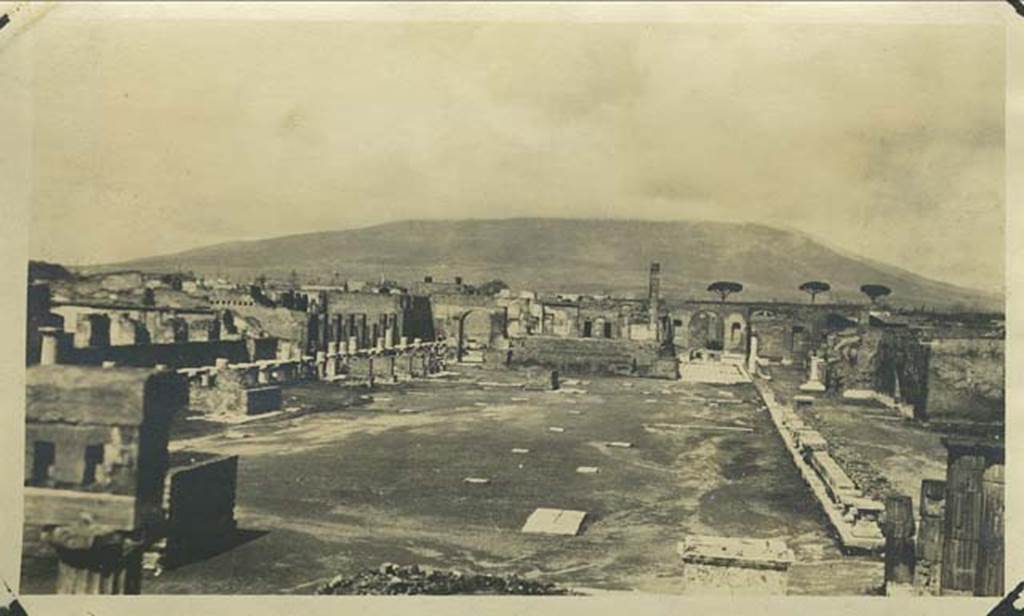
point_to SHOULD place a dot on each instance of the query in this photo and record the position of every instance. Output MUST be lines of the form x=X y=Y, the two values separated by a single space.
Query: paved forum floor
x=351 y=487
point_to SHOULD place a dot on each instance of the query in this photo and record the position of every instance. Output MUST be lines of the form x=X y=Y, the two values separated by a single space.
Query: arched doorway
x=478 y=329
x=735 y=333
x=707 y=330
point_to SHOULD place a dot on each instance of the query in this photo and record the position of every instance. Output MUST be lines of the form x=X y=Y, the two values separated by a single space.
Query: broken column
x=928 y=548
x=899 y=545
x=95 y=560
x=50 y=351
x=332 y=358
x=321 y=364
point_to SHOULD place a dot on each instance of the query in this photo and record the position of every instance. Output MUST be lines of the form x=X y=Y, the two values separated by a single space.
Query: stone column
x=263 y=374
x=50 y=350
x=94 y=560
x=221 y=363
x=752 y=358
x=332 y=358
x=321 y=364
x=353 y=344
x=899 y=545
x=928 y=548
x=973 y=519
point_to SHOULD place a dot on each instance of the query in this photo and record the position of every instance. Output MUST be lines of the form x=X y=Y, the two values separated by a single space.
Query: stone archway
x=735 y=333
x=707 y=330
x=478 y=329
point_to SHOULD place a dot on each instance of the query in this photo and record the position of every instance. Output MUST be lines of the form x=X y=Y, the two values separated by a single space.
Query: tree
x=725 y=288
x=875 y=291
x=814 y=287
x=491 y=287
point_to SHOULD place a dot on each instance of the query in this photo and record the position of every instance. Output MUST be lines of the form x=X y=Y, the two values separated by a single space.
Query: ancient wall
x=593 y=356
x=889 y=361
x=175 y=355
x=966 y=379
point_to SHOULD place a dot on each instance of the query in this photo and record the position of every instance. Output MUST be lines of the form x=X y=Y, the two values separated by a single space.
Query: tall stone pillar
x=654 y=299
x=336 y=327
x=973 y=519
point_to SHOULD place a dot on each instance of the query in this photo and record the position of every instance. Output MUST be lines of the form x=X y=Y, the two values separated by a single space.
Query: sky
x=152 y=136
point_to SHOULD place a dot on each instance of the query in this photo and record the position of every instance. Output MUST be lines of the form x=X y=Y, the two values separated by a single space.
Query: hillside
x=573 y=255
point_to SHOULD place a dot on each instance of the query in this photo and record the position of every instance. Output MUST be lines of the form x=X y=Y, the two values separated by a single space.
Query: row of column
x=354 y=330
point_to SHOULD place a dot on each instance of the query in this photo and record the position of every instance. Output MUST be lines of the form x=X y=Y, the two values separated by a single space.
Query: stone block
x=258 y=400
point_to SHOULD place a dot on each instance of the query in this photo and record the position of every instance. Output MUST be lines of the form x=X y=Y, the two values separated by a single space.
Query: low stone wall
x=854 y=517
x=593 y=356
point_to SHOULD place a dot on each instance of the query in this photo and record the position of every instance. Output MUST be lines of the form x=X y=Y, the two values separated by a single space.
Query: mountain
x=574 y=255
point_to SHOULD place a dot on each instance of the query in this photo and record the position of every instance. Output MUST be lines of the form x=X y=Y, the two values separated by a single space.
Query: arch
x=735 y=333
x=478 y=329
x=707 y=330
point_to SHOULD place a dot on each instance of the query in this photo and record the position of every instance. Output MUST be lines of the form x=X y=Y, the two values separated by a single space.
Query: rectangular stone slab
x=554 y=521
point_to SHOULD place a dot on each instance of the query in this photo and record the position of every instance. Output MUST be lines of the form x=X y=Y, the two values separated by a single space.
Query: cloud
x=158 y=136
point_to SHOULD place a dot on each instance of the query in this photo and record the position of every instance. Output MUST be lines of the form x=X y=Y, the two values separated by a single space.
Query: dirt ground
x=346 y=484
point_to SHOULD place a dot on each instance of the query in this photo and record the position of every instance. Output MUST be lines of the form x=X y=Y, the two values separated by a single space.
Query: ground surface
x=361 y=483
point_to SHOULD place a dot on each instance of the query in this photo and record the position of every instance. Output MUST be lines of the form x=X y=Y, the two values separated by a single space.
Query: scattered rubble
x=392 y=579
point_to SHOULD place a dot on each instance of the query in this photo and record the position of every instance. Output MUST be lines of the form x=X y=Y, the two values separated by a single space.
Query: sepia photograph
x=382 y=299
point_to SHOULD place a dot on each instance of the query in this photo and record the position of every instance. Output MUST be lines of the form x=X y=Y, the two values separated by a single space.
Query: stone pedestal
x=815 y=380
x=50 y=350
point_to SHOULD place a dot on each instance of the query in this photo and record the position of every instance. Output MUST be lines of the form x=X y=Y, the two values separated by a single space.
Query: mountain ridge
x=582 y=255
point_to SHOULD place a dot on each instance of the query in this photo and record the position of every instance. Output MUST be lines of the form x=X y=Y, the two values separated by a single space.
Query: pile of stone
x=392 y=579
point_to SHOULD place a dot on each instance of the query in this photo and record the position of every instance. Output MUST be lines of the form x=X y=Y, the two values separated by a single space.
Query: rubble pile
x=392 y=579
